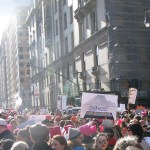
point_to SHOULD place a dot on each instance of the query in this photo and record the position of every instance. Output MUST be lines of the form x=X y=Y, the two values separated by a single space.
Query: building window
x=23 y=94
x=132 y=57
x=71 y=14
x=81 y=29
x=66 y=45
x=72 y=39
x=59 y=79
x=20 y=49
x=67 y=71
x=57 y=45
x=56 y=27
x=87 y=22
x=56 y=6
x=64 y=2
x=93 y=21
x=21 y=80
x=20 y=56
x=65 y=20
x=46 y=63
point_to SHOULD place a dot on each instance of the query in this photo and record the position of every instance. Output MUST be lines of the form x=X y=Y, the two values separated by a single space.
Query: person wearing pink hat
x=87 y=132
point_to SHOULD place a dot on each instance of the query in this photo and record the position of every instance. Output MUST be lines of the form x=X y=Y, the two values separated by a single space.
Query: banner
x=99 y=105
x=122 y=108
x=132 y=95
x=37 y=118
x=61 y=102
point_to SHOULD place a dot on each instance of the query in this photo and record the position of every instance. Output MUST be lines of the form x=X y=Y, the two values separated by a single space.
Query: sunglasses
x=102 y=142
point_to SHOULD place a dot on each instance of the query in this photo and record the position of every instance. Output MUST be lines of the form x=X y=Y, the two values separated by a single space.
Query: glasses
x=102 y=141
x=80 y=137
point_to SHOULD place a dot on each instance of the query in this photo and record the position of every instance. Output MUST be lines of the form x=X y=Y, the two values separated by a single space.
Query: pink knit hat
x=87 y=130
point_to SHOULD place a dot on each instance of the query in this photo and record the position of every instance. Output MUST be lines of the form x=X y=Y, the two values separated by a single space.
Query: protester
x=23 y=135
x=75 y=139
x=4 y=132
x=127 y=141
x=14 y=125
x=110 y=134
x=59 y=143
x=40 y=136
x=6 y=144
x=88 y=131
x=124 y=129
x=136 y=130
x=101 y=142
x=20 y=145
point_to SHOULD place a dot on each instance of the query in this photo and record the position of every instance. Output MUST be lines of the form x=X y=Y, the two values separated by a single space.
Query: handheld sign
x=99 y=105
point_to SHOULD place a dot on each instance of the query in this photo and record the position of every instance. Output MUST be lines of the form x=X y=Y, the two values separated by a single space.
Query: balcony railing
x=84 y=7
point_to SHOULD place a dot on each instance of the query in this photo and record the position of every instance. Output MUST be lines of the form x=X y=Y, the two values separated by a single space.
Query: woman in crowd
x=101 y=142
x=6 y=144
x=23 y=135
x=39 y=136
x=75 y=139
x=110 y=134
x=136 y=130
x=20 y=145
x=59 y=143
x=124 y=129
x=128 y=143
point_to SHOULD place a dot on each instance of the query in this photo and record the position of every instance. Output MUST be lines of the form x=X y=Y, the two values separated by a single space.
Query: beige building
x=3 y=79
x=15 y=45
x=87 y=44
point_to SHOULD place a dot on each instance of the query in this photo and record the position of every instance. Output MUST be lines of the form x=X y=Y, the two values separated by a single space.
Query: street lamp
x=147 y=19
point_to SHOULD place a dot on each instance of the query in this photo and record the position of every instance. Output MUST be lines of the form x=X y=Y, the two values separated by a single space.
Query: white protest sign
x=122 y=108
x=99 y=105
x=61 y=102
x=132 y=95
x=37 y=118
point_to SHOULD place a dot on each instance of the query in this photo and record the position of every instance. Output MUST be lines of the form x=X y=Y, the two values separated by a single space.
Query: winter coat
x=7 y=135
x=41 y=146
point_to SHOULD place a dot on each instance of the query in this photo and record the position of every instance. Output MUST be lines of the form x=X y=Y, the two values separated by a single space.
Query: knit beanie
x=73 y=133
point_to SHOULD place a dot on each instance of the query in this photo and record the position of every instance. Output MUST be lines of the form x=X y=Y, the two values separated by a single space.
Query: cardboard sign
x=99 y=105
x=132 y=95
x=37 y=118
x=61 y=102
x=122 y=108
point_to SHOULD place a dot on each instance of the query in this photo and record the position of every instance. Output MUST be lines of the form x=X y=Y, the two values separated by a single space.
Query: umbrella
x=25 y=124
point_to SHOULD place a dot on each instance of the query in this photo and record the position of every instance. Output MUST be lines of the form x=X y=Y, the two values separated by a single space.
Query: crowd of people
x=131 y=131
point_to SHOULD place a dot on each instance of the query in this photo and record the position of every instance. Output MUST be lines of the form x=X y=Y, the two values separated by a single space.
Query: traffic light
x=134 y=83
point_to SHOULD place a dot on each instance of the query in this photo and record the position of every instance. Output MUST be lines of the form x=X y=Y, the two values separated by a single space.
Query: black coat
x=41 y=146
x=7 y=135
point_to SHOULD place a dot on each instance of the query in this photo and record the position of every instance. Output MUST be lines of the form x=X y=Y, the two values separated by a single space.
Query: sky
x=6 y=11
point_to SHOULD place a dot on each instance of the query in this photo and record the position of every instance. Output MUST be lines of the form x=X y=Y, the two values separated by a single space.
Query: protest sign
x=61 y=102
x=132 y=95
x=99 y=105
x=37 y=118
x=122 y=108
